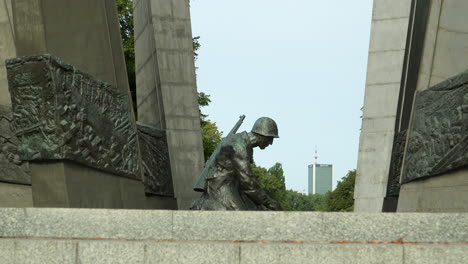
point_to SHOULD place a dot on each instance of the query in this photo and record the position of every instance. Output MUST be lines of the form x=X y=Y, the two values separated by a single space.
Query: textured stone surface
x=7 y=250
x=437 y=141
x=12 y=222
x=431 y=227
x=36 y=235
x=38 y=251
x=391 y=9
x=363 y=227
x=15 y=195
x=435 y=254
x=44 y=251
x=445 y=193
x=7 y=48
x=12 y=168
x=193 y=252
x=99 y=224
x=110 y=252
x=67 y=184
x=157 y=176
x=243 y=225
x=22 y=251
x=63 y=113
x=321 y=253
x=422 y=227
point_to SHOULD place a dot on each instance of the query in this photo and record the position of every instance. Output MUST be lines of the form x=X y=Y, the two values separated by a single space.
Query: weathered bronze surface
x=12 y=168
x=438 y=139
x=61 y=113
x=157 y=177
x=227 y=181
x=393 y=185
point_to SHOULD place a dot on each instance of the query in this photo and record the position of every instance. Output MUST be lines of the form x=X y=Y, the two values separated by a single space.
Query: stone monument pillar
x=384 y=72
x=409 y=130
x=166 y=86
x=83 y=33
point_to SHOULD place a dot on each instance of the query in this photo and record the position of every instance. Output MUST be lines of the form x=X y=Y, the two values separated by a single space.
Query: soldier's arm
x=251 y=186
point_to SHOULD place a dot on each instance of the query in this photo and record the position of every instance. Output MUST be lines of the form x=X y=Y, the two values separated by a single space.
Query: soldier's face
x=265 y=142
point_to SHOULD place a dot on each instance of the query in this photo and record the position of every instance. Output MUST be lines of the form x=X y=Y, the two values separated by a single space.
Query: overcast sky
x=301 y=62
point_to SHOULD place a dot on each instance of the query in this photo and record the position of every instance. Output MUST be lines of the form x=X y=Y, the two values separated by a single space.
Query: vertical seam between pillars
x=25 y=221
x=123 y=87
x=10 y=23
x=145 y=253
x=64 y=166
x=322 y=225
x=435 y=41
x=240 y=253
x=172 y=225
x=156 y=72
x=403 y=257
x=110 y=45
x=77 y=260
x=41 y=10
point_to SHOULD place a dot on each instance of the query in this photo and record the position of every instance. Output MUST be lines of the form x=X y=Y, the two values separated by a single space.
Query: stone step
x=44 y=235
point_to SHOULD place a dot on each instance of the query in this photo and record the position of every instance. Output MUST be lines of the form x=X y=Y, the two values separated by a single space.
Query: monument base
x=67 y=184
x=161 y=202
x=15 y=195
x=51 y=235
x=444 y=193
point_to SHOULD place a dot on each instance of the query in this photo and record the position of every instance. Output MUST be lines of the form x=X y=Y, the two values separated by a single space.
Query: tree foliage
x=211 y=136
x=270 y=183
x=273 y=182
x=341 y=199
x=125 y=14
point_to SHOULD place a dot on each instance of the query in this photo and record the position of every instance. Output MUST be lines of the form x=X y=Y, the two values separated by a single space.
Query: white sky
x=301 y=62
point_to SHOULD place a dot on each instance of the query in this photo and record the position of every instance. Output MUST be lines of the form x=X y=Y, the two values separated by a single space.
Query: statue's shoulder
x=240 y=142
x=241 y=138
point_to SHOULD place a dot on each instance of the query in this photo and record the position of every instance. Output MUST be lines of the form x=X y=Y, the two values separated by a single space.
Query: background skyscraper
x=320 y=178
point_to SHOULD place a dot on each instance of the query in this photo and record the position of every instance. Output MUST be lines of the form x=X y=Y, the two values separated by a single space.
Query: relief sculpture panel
x=438 y=138
x=12 y=168
x=157 y=177
x=61 y=113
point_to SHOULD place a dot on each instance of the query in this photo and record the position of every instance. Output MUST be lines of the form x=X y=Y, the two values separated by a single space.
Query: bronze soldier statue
x=227 y=181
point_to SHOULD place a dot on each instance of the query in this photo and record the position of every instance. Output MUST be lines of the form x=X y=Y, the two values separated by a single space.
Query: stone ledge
x=274 y=227
x=34 y=251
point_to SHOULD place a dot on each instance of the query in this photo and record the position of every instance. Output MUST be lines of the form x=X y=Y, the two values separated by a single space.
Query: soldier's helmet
x=265 y=126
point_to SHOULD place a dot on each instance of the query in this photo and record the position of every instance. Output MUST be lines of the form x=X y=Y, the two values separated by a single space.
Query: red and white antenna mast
x=316 y=155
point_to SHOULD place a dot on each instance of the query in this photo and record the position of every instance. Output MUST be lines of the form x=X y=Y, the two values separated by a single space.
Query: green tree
x=320 y=201
x=341 y=199
x=273 y=182
x=278 y=172
x=125 y=14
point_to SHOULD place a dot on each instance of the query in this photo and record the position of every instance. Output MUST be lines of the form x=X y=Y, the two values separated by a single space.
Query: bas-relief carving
x=157 y=177
x=393 y=186
x=437 y=139
x=62 y=113
x=12 y=168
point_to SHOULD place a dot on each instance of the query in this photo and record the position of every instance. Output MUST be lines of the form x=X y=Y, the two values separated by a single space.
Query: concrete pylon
x=166 y=86
x=83 y=33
